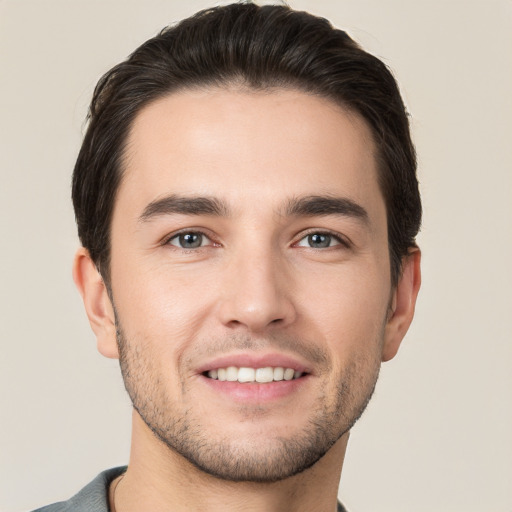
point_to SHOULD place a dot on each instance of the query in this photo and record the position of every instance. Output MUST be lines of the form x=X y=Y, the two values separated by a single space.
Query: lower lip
x=256 y=392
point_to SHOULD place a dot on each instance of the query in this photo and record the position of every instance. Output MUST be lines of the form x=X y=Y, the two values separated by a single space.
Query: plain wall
x=437 y=435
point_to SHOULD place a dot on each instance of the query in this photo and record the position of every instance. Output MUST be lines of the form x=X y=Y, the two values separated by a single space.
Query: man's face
x=249 y=231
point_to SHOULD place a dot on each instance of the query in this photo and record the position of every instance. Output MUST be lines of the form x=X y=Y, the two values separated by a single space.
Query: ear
x=402 y=304
x=97 y=302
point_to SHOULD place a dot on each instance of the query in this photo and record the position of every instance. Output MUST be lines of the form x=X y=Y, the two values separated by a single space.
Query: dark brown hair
x=262 y=48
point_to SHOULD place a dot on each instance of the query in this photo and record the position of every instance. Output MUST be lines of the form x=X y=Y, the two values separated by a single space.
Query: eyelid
x=167 y=239
x=343 y=240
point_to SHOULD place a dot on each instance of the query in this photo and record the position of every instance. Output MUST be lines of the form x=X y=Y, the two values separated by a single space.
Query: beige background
x=438 y=434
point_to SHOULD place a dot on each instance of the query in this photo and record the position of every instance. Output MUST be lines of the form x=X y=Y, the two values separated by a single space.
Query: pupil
x=318 y=240
x=190 y=240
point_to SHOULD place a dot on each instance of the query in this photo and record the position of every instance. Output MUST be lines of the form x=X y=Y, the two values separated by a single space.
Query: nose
x=257 y=292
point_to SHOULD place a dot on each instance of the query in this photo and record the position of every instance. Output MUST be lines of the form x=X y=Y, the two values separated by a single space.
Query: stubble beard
x=278 y=458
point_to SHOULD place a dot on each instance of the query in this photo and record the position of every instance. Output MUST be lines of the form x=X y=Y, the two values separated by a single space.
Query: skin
x=255 y=288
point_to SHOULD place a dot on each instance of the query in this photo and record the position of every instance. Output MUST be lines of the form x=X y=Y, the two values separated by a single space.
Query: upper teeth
x=267 y=374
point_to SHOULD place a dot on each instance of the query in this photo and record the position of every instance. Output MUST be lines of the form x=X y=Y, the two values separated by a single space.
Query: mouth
x=247 y=375
x=256 y=378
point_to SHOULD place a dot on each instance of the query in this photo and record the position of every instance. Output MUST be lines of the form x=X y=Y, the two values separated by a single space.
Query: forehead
x=247 y=147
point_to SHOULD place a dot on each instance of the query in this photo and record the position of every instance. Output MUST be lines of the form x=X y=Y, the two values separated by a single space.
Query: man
x=247 y=202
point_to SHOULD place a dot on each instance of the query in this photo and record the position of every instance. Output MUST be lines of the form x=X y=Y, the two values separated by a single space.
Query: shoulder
x=92 y=498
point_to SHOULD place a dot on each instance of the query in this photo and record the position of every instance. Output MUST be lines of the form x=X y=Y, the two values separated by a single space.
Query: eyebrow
x=310 y=206
x=185 y=206
x=307 y=206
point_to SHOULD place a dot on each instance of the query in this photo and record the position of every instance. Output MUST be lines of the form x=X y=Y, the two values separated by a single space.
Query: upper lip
x=254 y=360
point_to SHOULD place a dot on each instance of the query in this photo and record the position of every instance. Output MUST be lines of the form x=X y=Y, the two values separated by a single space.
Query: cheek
x=348 y=308
x=159 y=304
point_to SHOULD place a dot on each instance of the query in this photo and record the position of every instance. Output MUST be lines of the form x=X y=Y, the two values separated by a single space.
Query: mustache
x=306 y=349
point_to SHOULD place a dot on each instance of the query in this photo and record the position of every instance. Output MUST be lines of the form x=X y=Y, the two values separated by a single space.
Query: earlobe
x=97 y=302
x=403 y=304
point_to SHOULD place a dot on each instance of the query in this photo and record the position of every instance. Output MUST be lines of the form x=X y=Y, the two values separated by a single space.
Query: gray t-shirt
x=94 y=496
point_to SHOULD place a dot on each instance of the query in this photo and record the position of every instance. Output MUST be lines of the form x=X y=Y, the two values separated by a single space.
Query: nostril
x=255 y=311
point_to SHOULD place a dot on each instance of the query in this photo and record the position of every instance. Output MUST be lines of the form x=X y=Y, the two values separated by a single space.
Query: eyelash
x=167 y=240
x=336 y=236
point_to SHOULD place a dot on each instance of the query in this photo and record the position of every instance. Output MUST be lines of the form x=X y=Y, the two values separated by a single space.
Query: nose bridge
x=257 y=290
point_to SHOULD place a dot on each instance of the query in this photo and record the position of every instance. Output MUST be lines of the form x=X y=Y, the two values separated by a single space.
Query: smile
x=247 y=375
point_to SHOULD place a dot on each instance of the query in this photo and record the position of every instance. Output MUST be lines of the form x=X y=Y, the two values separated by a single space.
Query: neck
x=159 y=479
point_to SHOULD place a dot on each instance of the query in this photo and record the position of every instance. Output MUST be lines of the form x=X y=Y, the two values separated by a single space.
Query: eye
x=189 y=240
x=319 y=241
